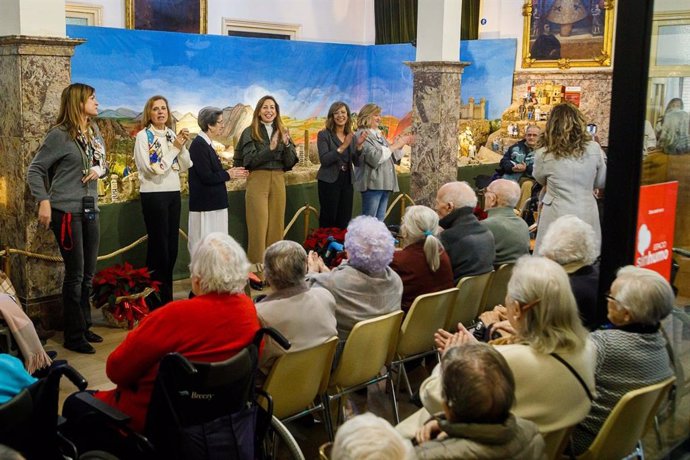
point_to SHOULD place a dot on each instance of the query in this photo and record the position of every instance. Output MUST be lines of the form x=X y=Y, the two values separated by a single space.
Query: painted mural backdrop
x=128 y=66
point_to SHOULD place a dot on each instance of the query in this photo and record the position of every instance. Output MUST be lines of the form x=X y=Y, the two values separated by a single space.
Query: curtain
x=469 y=27
x=396 y=21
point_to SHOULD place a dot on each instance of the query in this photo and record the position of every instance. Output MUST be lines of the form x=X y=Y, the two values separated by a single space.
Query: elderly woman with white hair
x=208 y=197
x=631 y=353
x=550 y=354
x=368 y=437
x=364 y=286
x=571 y=242
x=423 y=264
x=304 y=315
x=213 y=326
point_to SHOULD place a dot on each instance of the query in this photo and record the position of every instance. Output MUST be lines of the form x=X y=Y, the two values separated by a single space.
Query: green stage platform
x=122 y=223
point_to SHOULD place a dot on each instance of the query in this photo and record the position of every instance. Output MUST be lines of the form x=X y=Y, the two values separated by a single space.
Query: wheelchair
x=197 y=411
x=29 y=422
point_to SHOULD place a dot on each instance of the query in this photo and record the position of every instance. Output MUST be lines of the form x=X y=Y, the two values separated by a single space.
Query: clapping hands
x=361 y=138
x=445 y=340
x=402 y=141
x=315 y=263
x=238 y=173
x=280 y=136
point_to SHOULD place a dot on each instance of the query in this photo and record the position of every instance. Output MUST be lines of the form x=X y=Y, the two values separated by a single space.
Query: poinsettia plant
x=120 y=281
x=121 y=290
x=320 y=240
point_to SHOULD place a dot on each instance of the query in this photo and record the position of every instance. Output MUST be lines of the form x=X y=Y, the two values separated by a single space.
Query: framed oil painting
x=168 y=15
x=567 y=33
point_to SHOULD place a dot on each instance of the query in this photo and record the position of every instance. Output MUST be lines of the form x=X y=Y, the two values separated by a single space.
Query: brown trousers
x=265 y=211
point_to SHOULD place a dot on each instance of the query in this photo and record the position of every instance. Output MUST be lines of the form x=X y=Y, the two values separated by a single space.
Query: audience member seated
x=543 y=317
x=423 y=264
x=13 y=377
x=368 y=437
x=24 y=334
x=364 y=286
x=571 y=242
x=470 y=245
x=478 y=392
x=631 y=354
x=304 y=315
x=511 y=234
x=212 y=326
x=518 y=160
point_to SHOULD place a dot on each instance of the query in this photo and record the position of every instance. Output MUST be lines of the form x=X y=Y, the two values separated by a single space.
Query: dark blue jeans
x=374 y=203
x=79 y=255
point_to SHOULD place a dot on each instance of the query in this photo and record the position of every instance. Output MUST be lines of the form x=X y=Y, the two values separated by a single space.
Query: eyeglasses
x=611 y=298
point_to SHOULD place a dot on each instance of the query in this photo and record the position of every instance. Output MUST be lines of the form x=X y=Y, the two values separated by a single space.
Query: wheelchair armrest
x=75 y=377
x=84 y=402
x=274 y=334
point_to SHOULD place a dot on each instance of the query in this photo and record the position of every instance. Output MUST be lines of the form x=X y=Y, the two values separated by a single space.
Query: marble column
x=435 y=118
x=33 y=73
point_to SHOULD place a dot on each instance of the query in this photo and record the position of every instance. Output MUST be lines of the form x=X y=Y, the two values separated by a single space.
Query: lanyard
x=66 y=227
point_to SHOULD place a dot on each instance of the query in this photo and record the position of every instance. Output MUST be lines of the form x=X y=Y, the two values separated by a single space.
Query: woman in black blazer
x=208 y=198
x=337 y=149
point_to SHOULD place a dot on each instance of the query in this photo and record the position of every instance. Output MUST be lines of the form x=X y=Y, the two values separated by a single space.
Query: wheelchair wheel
x=279 y=442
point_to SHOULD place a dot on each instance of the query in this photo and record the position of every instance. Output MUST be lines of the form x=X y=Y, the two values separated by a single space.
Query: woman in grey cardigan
x=375 y=176
x=70 y=161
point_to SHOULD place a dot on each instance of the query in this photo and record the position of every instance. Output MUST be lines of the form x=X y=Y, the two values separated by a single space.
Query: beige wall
x=43 y=18
x=339 y=21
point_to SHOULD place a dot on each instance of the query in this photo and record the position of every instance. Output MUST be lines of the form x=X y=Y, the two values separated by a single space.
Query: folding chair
x=469 y=300
x=427 y=314
x=369 y=349
x=495 y=293
x=622 y=432
x=298 y=378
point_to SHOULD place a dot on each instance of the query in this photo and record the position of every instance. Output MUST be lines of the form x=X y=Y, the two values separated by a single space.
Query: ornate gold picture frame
x=567 y=33
x=169 y=15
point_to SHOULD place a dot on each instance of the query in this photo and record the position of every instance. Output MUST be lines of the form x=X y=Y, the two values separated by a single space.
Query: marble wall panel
x=435 y=117
x=595 y=99
x=10 y=102
x=33 y=72
x=43 y=79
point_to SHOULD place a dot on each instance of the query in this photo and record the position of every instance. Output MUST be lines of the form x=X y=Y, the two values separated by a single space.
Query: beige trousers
x=265 y=211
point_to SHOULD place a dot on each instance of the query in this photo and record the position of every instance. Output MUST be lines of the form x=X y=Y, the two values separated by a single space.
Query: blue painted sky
x=126 y=67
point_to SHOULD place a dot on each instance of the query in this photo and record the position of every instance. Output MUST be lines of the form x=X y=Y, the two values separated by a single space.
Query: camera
x=592 y=129
x=482 y=332
x=88 y=208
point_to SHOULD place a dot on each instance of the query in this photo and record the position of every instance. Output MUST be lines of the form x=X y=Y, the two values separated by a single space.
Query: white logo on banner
x=659 y=252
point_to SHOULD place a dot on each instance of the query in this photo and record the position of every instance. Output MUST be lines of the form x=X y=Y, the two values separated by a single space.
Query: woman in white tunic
x=570 y=165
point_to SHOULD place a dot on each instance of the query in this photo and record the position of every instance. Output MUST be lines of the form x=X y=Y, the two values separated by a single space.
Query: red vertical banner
x=656 y=218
